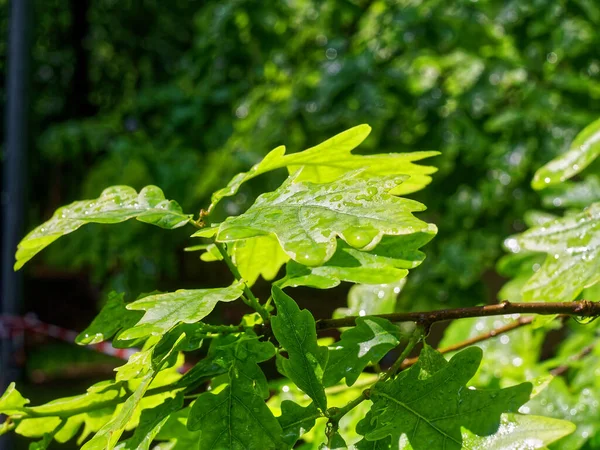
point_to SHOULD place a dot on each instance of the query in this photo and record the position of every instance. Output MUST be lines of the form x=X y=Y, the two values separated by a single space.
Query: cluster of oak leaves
x=338 y=217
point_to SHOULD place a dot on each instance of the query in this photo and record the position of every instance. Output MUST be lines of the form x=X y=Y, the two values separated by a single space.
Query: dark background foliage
x=183 y=94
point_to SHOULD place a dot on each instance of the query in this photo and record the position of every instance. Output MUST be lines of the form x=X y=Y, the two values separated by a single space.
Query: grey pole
x=13 y=189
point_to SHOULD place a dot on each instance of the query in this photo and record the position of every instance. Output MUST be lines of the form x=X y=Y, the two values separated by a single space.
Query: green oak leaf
x=333 y=158
x=97 y=395
x=295 y=331
x=306 y=217
x=573 y=261
x=43 y=444
x=520 y=431
x=510 y=359
x=92 y=409
x=573 y=195
x=259 y=256
x=112 y=318
x=295 y=420
x=387 y=263
x=366 y=343
x=164 y=311
x=107 y=437
x=12 y=402
x=151 y=421
x=115 y=204
x=516 y=431
x=175 y=431
x=430 y=406
x=584 y=149
x=139 y=363
x=336 y=442
x=237 y=417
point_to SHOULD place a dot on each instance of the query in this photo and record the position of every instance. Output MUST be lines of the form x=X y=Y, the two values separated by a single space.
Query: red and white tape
x=14 y=327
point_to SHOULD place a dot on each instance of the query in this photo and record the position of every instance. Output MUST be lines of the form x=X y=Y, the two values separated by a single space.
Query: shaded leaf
x=584 y=149
x=364 y=344
x=295 y=331
x=335 y=443
x=237 y=417
x=573 y=261
x=112 y=318
x=333 y=158
x=306 y=217
x=164 y=311
x=295 y=420
x=432 y=410
x=115 y=204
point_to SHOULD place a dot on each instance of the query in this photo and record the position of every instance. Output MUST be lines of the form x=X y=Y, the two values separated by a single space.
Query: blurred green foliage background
x=183 y=94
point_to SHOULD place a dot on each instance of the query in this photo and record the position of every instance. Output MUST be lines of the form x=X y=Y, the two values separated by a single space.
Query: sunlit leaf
x=115 y=204
x=306 y=217
x=579 y=406
x=12 y=402
x=583 y=151
x=333 y=158
x=306 y=361
x=573 y=195
x=151 y=421
x=107 y=437
x=259 y=256
x=573 y=262
x=163 y=311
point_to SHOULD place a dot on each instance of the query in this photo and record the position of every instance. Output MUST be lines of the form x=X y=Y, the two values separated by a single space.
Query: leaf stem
x=248 y=296
x=336 y=414
x=415 y=337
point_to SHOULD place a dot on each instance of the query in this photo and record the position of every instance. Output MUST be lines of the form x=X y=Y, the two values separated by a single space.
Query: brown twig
x=522 y=321
x=581 y=308
x=562 y=369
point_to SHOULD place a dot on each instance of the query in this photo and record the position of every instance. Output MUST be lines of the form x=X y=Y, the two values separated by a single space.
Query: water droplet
x=547 y=180
x=359 y=237
x=517 y=362
x=552 y=57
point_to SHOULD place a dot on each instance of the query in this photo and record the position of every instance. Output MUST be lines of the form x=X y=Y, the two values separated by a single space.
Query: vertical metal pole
x=13 y=189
